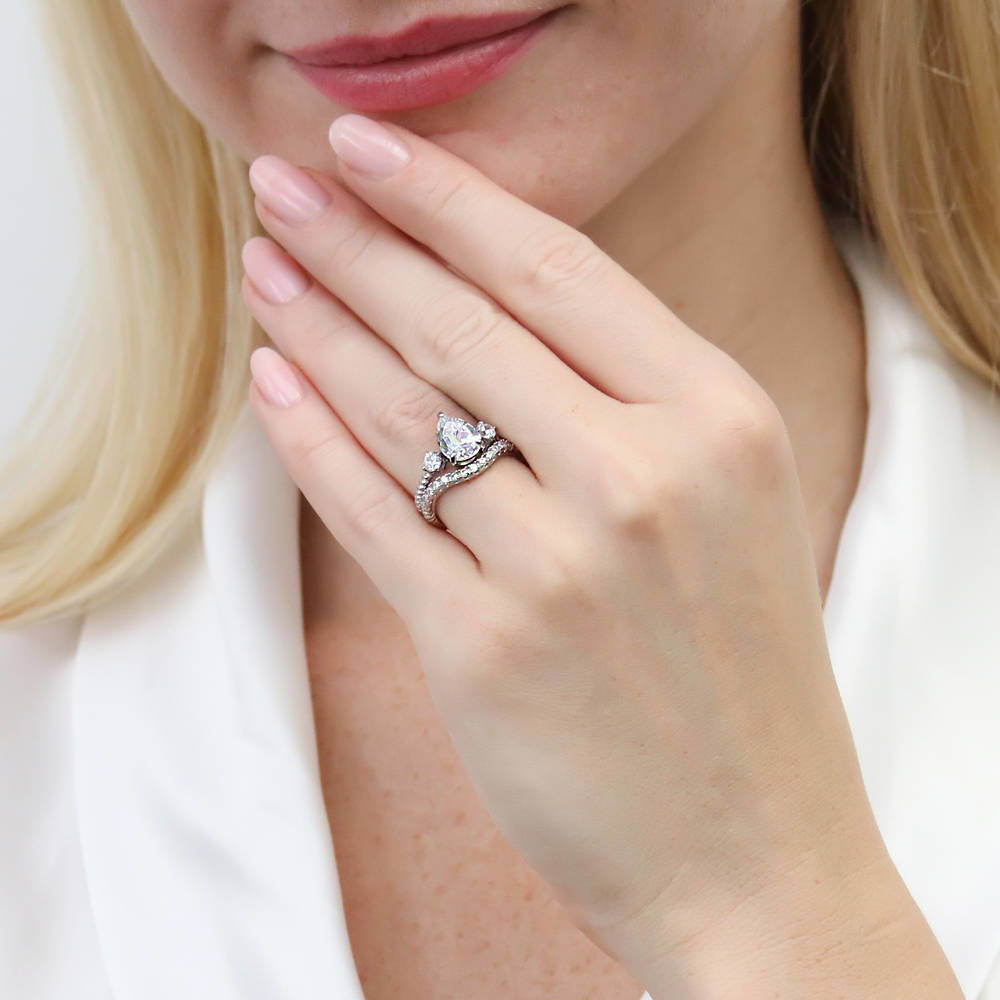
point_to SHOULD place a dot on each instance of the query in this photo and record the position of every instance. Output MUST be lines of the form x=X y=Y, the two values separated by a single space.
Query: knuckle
x=455 y=326
x=556 y=576
x=369 y=510
x=750 y=438
x=318 y=325
x=306 y=450
x=441 y=195
x=558 y=260
x=640 y=504
x=636 y=493
x=409 y=412
x=482 y=656
x=348 y=242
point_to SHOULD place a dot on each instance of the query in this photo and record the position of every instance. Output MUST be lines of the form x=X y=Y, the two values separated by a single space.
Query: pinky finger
x=359 y=502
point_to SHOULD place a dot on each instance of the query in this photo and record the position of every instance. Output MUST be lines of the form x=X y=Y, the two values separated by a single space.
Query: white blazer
x=162 y=829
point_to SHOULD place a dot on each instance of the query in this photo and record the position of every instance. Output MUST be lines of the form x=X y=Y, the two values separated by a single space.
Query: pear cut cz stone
x=459 y=441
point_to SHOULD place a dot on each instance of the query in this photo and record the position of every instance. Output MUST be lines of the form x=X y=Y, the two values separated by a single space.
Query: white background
x=41 y=219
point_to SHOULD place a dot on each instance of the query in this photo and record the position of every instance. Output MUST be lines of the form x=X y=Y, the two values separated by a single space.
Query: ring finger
x=390 y=410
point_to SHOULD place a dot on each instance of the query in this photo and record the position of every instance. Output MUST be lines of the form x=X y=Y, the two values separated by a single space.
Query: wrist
x=806 y=934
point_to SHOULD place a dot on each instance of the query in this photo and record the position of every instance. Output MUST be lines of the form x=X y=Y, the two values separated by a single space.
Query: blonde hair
x=901 y=111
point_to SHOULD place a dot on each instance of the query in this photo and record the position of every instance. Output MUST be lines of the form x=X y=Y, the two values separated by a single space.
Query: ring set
x=470 y=448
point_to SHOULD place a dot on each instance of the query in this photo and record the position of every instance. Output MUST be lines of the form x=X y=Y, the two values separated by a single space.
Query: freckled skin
x=439 y=906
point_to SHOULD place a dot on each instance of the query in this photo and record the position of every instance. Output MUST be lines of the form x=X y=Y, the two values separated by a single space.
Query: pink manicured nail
x=275 y=377
x=290 y=193
x=277 y=277
x=366 y=146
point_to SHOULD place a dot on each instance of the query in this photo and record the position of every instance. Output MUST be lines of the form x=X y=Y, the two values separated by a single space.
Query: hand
x=622 y=629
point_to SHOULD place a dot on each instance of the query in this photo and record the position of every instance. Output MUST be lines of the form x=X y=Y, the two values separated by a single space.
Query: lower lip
x=419 y=81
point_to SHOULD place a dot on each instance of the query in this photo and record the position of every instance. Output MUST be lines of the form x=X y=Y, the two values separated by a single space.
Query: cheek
x=202 y=49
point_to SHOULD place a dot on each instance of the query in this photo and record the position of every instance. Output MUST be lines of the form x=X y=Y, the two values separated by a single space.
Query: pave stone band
x=471 y=449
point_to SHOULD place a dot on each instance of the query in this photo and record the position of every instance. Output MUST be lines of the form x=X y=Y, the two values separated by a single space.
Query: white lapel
x=912 y=619
x=202 y=822
x=204 y=836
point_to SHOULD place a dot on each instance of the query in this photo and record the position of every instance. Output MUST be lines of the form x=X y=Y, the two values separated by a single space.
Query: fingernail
x=289 y=192
x=274 y=274
x=366 y=146
x=274 y=377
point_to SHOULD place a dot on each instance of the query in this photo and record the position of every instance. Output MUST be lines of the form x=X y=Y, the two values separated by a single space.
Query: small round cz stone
x=433 y=461
x=487 y=431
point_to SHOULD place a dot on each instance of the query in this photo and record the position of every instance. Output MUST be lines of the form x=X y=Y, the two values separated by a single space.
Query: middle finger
x=449 y=332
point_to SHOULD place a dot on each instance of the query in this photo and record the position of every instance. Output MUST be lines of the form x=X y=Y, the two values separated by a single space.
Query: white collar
x=205 y=841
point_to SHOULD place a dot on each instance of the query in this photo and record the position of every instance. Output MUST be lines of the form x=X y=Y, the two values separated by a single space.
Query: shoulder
x=48 y=948
x=36 y=691
x=35 y=663
x=49 y=642
x=36 y=667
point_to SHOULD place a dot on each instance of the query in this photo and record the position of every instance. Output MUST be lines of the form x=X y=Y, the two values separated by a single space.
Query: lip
x=431 y=62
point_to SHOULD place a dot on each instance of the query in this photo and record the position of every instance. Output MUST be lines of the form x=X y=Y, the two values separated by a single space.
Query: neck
x=741 y=252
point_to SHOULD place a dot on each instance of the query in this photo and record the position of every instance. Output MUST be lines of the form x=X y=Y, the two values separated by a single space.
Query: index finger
x=553 y=278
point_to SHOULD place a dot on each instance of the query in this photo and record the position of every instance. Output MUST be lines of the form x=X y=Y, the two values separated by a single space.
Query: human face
x=599 y=93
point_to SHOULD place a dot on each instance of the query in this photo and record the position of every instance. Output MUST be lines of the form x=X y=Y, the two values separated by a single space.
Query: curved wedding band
x=470 y=448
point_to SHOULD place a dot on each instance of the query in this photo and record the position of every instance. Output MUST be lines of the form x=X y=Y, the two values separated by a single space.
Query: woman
x=669 y=673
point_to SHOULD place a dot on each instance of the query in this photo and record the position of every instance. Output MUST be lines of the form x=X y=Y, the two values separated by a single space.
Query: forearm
x=860 y=938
